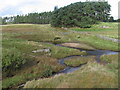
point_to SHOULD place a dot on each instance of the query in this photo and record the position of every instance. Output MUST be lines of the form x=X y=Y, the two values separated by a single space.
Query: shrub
x=47 y=72
x=12 y=59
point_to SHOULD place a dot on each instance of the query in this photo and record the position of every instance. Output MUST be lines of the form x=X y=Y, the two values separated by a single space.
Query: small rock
x=83 y=51
x=105 y=27
x=49 y=54
x=64 y=28
x=47 y=50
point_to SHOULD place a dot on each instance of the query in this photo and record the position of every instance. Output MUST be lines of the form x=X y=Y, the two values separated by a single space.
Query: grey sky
x=14 y=7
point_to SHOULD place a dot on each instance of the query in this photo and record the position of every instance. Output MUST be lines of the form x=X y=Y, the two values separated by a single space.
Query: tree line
x=31 y=18
x=80 y=14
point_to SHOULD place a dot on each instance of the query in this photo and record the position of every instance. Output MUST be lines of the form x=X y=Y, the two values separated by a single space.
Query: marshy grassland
x=77 y=61
x=23 y=66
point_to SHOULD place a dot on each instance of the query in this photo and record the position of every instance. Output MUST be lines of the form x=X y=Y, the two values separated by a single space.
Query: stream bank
x=97 y=53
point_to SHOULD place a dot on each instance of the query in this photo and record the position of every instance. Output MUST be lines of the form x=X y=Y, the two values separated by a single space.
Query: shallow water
x=69 y=69
x=96 y=53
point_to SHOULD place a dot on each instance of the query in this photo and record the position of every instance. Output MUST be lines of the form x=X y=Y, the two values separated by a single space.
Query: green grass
x=25 y=38
x=89 y=38
x=92 y=75
x=111 y=31
x=77 y=61
x=28 y=72
x=112 y=61
x=43 y=67
x=99 y=43
x=99 y=27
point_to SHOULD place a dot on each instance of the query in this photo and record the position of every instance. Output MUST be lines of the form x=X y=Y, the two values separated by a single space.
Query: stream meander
x=95 y=52
x=69 y=69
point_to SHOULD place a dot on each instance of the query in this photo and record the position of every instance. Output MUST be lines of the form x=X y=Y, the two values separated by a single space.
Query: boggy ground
x=25 y=38
x=92 y=75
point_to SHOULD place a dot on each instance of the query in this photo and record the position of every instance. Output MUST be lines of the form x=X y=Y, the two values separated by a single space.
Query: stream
x=69 y=69
x=95 y=52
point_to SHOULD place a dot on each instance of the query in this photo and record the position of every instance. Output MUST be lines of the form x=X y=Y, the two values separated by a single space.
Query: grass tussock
x=77 y=61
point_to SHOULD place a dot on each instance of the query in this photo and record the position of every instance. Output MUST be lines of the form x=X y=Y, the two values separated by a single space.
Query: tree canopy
x=80 y=14
x=33 y=18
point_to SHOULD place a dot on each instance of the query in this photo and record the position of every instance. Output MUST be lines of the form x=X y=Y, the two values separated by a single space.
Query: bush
x=12 y=59
x=84 y=25
x=47 y=72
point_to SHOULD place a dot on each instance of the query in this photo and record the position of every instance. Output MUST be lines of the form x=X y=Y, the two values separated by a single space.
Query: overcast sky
x=14 y=7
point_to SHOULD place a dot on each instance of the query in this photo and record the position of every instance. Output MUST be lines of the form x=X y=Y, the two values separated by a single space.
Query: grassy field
x=92 y=75
x=106 y=29
x=20 y=64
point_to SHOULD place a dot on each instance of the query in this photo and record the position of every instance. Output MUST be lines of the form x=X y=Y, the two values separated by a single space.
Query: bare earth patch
x=78 y=45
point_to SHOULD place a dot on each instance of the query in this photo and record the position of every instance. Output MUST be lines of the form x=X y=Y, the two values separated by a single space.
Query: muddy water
x=95 y=52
